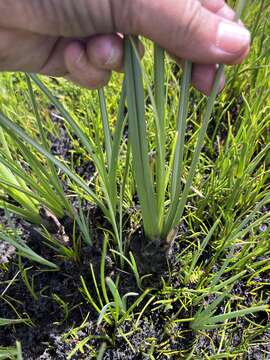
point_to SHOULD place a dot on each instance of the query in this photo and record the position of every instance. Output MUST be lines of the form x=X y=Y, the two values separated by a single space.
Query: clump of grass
x=106 y=164
x=115 y=311
x=162 y=197
x=38 y=186
x=160 y=219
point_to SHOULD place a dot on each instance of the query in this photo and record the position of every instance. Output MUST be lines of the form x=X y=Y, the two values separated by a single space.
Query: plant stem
x=138 y=138
x=159 y=71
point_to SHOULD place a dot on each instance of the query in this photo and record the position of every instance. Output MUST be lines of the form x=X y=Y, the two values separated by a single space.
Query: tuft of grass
x=159 y=220
x=26 y=179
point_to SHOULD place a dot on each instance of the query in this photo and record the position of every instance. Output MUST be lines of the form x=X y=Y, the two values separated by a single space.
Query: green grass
x=213 y=302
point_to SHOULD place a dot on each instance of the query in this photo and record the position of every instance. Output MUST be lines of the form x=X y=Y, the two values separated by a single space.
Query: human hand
x=78 y=39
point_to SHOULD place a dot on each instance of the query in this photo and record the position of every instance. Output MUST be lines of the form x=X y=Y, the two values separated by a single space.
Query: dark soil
x=48 y=333
x=41 y=338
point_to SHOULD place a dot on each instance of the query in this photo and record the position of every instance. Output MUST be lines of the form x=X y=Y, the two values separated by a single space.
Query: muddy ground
x=46 y=335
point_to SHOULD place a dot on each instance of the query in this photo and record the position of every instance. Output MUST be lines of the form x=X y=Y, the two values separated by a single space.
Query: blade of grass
x=173 y=217
x=105 y=124
x=116 y=145
x=19 y=351
x=180 y=143
x=199 y=325
x=138 y=138
x=159 y=99
x=181 y=131
x=6 y=322
x=23 y=213
x=25 y=251
x=158 y=171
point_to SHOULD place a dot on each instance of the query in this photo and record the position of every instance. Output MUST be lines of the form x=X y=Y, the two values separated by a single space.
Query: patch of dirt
x=46 y=336
x=41 y=338
x=6 y=252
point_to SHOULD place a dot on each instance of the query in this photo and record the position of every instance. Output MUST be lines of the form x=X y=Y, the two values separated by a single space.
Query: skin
x=81 y=39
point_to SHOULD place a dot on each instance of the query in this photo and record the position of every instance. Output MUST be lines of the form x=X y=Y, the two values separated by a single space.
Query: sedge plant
x=162 y=198
x=104 y=155
x=34 y=186
x=162 y=185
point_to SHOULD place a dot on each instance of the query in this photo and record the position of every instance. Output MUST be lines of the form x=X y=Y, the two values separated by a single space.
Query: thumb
x=189 y=30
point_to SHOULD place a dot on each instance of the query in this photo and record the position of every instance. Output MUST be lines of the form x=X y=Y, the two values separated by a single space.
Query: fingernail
x=232 y=38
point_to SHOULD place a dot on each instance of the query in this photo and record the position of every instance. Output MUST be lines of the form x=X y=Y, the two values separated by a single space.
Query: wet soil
x=47 y=334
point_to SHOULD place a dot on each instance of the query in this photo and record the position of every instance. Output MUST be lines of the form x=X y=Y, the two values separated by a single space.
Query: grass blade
x=181 y=130
x=105 y=123
x=25 y=251
x=173 y=218
x=159 y=104
x=138 y=138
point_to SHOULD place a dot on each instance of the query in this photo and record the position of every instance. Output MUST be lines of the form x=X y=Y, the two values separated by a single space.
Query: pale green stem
x=159 y=71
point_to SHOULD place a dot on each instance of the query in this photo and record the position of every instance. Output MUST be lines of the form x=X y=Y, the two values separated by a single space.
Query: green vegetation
x=139 y=214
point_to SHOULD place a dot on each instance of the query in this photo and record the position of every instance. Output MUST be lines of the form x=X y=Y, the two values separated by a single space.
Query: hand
x=79 y=39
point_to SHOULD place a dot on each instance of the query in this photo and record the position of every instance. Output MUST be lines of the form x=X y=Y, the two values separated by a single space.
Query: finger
x=219 y=7
x=203 y=78
x=189 y=30
x=16 y=50
x=203 y=75
x=80 y=69
x=183 y=27
x=106 y=52
x=55 y=62
x=227 y=13
x=103 y=51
